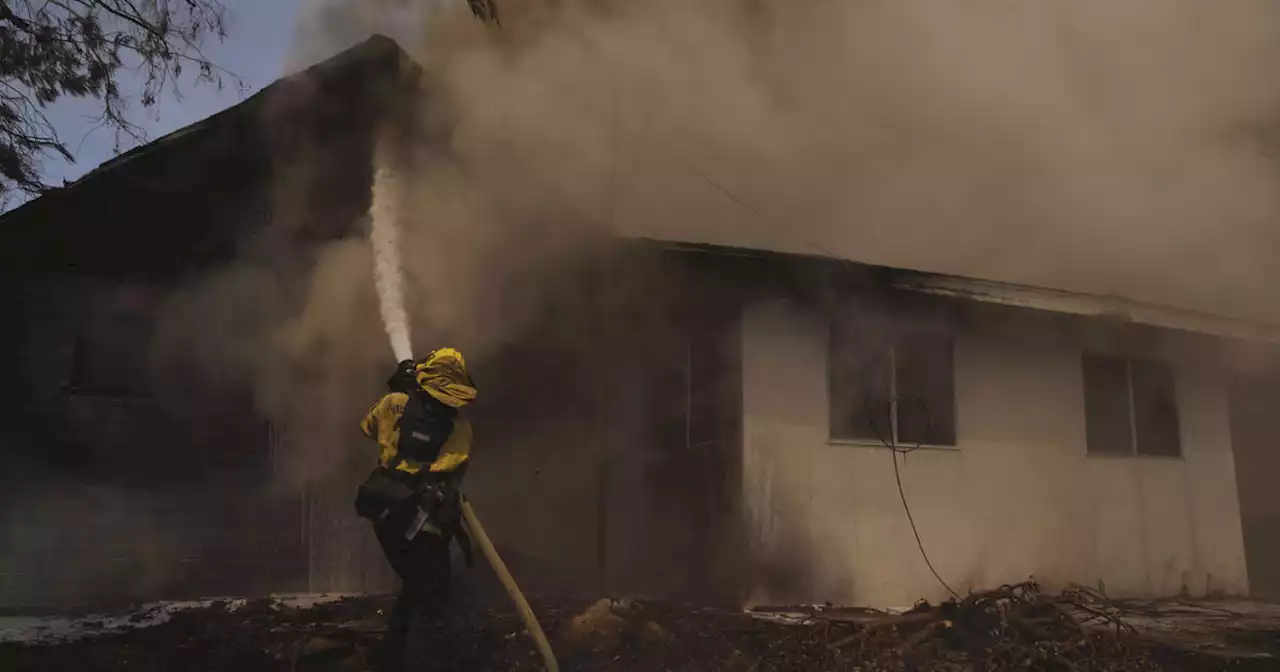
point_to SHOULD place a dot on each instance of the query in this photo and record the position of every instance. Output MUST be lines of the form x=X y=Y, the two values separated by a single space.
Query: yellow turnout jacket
x=383 y=425
x=443 y=374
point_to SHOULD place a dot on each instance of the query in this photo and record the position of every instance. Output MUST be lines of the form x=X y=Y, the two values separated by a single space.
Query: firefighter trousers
x=423 y=566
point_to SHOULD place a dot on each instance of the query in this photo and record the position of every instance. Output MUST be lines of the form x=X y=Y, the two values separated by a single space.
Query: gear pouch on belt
x=382 y=495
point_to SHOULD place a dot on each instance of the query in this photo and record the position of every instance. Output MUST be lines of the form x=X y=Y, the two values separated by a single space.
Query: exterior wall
x=601 y=459
x=614 y=479
x=108 y=498
x=587 y=484
x=1018 y=497
x=1255 y=433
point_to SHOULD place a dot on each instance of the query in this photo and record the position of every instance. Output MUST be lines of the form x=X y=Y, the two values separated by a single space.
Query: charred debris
x=1012 y=627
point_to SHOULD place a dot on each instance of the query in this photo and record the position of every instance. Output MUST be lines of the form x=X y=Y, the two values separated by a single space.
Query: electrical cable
x=891 y=443
x=894 y=449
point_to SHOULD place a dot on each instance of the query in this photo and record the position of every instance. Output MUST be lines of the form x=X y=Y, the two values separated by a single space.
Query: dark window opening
x=113 y=345
x=1106 y=401
x=707 y=371
x=896 y=388
x=1131 y=407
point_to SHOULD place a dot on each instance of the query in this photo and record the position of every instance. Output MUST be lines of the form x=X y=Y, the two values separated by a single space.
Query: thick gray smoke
x=1114 y=149
x=1080 y=145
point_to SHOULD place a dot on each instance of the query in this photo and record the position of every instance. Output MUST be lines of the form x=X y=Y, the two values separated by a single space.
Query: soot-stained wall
x=124 y=480
x=1017 y=496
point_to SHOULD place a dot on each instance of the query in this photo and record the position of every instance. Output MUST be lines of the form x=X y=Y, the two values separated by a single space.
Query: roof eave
x=1088 y=305
x=1112 y=308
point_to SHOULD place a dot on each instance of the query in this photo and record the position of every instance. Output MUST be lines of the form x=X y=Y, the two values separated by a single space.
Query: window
x=111 y=351
x=44 y=331
x=898 y=387
x=1131 y=407
x=688 y=396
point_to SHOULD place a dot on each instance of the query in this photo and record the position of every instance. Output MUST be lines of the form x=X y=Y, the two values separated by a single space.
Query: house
x=720 y=427
x=117 y=489
x=1054 y=440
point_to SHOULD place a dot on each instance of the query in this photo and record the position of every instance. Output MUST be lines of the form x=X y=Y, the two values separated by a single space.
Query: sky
x=260 y=35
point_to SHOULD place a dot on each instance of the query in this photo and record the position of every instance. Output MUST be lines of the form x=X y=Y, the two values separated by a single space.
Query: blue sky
x=257 y=47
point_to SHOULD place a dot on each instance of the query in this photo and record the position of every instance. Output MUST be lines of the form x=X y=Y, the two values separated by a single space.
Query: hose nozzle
x=404 y=378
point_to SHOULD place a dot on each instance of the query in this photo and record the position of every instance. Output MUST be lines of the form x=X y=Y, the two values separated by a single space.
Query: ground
x=1016 y=627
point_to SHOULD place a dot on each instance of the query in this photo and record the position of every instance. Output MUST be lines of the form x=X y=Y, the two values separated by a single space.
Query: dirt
x=606 y=635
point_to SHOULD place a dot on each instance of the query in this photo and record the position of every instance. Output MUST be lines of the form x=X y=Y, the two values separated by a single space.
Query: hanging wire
x=892 y=445
x=893 y=402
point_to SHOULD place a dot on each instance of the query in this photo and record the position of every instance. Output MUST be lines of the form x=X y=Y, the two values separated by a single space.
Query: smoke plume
x=1090 y=146
x=1084 y=145
x=1112 y=149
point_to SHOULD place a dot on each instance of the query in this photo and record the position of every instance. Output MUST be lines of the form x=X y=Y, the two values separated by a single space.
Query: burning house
x=734 y=424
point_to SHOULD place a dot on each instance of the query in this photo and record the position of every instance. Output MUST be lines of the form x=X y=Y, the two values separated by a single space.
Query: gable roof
x=167 y=199
x=374 y=54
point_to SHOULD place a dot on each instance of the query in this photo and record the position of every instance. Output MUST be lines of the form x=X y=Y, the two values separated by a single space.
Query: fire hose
x=500 y=568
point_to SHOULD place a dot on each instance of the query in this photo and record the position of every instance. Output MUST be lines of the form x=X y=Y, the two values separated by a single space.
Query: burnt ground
x=993 y=631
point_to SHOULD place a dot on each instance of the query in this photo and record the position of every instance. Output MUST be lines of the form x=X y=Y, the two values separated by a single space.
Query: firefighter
x=412 y=496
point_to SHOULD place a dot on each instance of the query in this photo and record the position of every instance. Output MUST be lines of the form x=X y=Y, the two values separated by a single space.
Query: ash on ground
x=1015 y=627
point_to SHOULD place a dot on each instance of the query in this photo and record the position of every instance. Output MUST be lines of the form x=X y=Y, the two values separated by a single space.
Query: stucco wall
x=1255 y=434
x=1018 y=497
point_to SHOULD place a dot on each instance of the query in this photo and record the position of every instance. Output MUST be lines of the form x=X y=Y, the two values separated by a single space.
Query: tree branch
x=56 y=48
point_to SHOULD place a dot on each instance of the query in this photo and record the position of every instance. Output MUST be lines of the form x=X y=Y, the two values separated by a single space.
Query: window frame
x=107 y=308
x=891 y=354
x=1132 y=407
